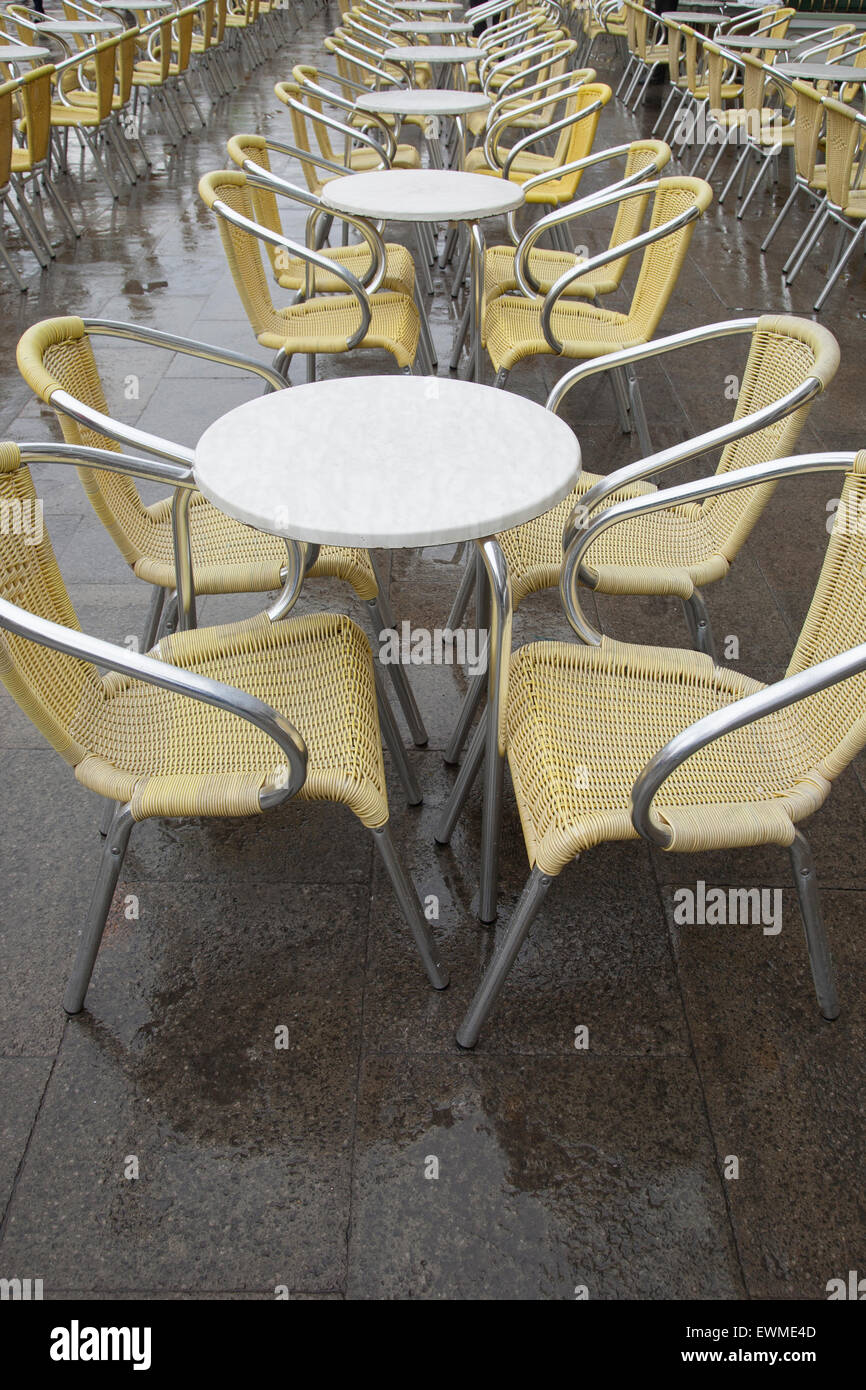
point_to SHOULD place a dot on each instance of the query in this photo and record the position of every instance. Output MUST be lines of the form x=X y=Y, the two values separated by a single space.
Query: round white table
x=63 y=30
x=440 y=55
x=430 y=26
x=425 y=6
x=131 y=11
x=840 y=73
x=432 y=195
x=430 y=101
x=393 y=461
x=22 y=53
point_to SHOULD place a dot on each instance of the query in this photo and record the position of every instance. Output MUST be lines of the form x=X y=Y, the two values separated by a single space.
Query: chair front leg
x=411 y=907
x=111 y=863
x=806 y=883
x=496 y=974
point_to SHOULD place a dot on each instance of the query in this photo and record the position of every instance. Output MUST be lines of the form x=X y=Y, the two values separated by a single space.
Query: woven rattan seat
x=319 y=325
x=160 y=744
x=512 y=324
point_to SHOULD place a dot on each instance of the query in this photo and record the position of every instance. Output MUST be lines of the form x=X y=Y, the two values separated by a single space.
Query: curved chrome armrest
x=80 y=456
x=614 y=253
x=282 y=784
x=788 y=691
x=518 y=56
x=523 y=274
x=374 y=69
x=521 y=89
x=516 y=113
x=563 y=123
x=189 y=347
x=574 y=573
x=322 y=118
x=257 y=177
x=311 y=257
x=308 y=85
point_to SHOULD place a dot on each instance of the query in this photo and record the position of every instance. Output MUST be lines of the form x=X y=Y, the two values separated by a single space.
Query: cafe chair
x=791 y=361
x=223 y=721
x=334 y=323
x=57 y=360
x=713 y=759
x=517 y=327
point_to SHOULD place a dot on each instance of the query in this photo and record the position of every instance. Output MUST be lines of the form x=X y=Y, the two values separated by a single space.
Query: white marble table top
x=135 y=6
x=62 y=27
x=423 y=101
x=425 y=6
x=433 y=53
x=748 y=41
x=387 y=461
x=422 y=195
x=823 y=72
x=430 y=26
x=21 y=53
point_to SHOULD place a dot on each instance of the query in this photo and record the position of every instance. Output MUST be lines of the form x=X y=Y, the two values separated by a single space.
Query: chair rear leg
x=394 y=742
x=806 y=883
x=496 y=974
x=700 y=627
x=381 y=617
x=408 y=899
x=463 y=784
x=110 y=865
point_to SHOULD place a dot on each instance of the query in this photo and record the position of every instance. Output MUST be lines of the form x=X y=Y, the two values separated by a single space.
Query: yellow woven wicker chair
x=651 y=51
x=519 y=327
x=810 y=177
x=329 y=324
x=19 y=210
x=548 y=76
x=548 y=180
x=94 y=118
x=674 y=552
x=57 y=361
x=643 y=160
x=30 y=162
x=543 y=267
x=846 y=199
x=311 y=124
x=290 y=272
x=222 y=721
x=712 y=759
x=250 y=153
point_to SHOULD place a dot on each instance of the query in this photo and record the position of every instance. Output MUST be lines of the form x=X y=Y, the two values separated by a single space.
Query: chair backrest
x=693 y=58
x=576 y=141
x=675 y=47
x=784 y=353
x=7 y=91
x=754 y=82
x=843 y=135
x=651 y=155
x=808 y=122
x=185 y=23
x=267 y=208
x=163 y=46
x=56 y=354
x=35 y=95
x=242 y=249
x=836 y=621
x=663 y=259
x=104 y=62
x=127 y=48
x=59 y=693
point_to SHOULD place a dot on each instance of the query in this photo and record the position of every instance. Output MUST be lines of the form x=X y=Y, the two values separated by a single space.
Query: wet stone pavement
x=370 y=1158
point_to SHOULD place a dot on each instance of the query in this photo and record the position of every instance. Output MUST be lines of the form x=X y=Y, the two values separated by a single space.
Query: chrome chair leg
x=496 y=974
x=408 y=899
x=110 y=865
x=381 y=617
x=463 y=784
x=394 y=742
x=700 y=627
x=461 y=598
x=806 y=883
